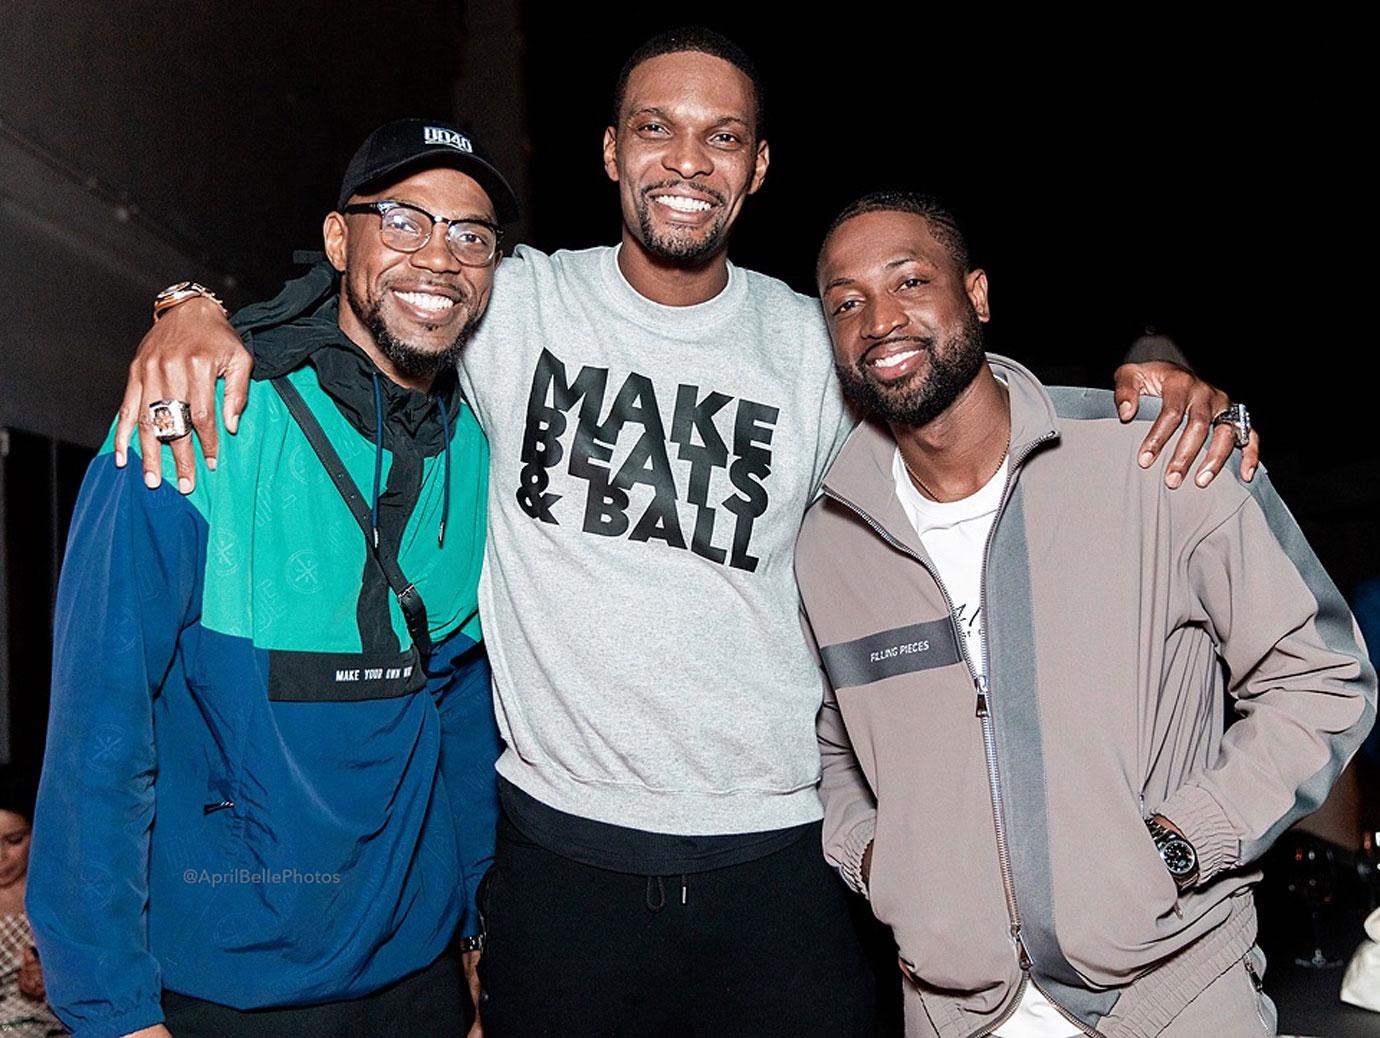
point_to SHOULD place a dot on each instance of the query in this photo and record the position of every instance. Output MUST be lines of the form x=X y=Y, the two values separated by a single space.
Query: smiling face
x=685 y=155
x=905 y=319
x=414 y=309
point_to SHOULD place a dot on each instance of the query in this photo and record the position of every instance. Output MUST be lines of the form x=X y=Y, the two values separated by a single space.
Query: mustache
x=924 y=342
x=663 y=185
x=440 y=286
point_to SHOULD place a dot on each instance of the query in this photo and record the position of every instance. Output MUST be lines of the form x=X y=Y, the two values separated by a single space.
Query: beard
x=683 y=251
x=923 y=395
x=410 y=359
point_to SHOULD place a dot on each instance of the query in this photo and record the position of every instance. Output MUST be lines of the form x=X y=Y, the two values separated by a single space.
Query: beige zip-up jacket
x=1010 y=843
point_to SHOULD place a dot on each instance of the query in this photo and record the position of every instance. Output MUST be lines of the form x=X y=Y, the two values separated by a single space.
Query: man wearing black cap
x=269 y=792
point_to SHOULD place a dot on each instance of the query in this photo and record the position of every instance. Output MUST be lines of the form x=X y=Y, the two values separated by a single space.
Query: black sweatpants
x=428 y=1004
x=767 y=947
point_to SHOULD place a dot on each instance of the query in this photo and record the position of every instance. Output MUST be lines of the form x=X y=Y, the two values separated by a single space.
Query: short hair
x=17 y=792
x=697 y=39
x=943 y=225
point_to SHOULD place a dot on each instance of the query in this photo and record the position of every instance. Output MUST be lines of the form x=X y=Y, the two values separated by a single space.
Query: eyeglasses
x=407 y=228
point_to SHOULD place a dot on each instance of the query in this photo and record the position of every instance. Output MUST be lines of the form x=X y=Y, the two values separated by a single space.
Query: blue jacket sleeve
x=469 y=749
x=131 y=582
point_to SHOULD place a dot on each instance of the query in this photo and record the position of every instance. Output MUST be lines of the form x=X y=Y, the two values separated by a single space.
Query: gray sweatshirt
x=650 y=468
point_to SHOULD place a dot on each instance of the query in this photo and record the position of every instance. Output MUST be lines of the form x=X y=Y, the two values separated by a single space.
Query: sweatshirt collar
x=862 y=473
x=676 y=322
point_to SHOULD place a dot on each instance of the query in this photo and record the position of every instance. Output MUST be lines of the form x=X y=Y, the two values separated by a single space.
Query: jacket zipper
x=989 y=744
x=1259 y=986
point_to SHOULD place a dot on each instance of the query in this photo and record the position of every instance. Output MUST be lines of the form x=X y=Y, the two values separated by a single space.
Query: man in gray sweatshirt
x=659 y=420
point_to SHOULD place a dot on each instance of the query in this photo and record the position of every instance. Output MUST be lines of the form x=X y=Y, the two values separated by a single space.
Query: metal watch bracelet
x=175 y=295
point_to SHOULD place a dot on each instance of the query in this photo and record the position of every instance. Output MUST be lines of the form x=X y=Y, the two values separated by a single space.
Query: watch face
x=1178 y=856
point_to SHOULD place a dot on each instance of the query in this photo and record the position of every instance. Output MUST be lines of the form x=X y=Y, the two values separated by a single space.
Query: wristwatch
x=474 y=942
x=1178 y=854
x=180 y=293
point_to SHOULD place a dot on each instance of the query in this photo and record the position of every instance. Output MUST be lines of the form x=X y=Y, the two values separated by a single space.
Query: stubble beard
x=925 y=394
x=682 y=251
x=410 y=360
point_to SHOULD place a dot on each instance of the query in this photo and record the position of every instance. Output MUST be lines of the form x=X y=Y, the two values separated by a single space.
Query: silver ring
x=171 y=419
x=1239 y=419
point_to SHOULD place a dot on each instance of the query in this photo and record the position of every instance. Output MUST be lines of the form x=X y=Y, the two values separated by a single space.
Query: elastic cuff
x=1204 y=824
x=136 y=1019
x=851 y=855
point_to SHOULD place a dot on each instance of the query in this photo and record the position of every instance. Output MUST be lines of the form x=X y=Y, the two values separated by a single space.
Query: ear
x=611 y=153
x=975 y=284
x=759 y=171
x=336 y=237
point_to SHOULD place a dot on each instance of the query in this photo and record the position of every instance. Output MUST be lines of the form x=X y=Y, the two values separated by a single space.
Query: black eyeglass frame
x=385 y=205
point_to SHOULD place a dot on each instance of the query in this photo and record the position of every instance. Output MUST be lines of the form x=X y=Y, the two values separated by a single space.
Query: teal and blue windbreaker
x=248 y=797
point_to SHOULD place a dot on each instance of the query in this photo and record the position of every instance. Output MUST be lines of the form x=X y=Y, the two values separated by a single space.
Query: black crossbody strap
x=409 y=598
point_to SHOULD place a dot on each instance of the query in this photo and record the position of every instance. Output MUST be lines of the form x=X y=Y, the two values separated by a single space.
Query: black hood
x=301 y=326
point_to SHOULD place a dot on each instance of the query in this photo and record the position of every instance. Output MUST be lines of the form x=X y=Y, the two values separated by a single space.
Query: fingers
x=1126 y=392
x=1218 y=453
x=150 y=450
x=237 y=373
x=1171 y=414
x=1204 y=401
x=184 y=457
x=1250 y=457
x=164 y=380
x=180 y=359
x=202 y=400
x=1191 y=440
x=128 y=419
x=175 y=379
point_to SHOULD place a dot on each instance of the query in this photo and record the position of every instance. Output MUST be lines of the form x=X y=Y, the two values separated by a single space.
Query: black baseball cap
x=407 y=145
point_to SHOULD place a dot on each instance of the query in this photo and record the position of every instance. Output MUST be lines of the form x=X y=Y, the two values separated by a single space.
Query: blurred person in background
x=24 y=1010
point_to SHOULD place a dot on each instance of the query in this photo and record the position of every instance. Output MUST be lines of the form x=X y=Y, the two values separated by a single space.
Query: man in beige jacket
x=1026 y=639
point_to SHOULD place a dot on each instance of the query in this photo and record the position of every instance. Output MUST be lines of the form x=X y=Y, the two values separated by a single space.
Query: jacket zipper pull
x=1022 y=956
x=1256 y=982
x=982 y=710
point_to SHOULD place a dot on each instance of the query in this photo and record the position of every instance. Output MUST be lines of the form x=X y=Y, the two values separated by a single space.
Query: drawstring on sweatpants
x=660 y=902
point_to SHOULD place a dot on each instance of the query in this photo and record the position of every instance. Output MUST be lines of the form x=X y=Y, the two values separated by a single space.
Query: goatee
x=924 y=395
x=410 y=360
x=689 y=252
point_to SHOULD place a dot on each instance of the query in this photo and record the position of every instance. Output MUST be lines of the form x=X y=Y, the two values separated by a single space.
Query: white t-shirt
x=955 y=534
